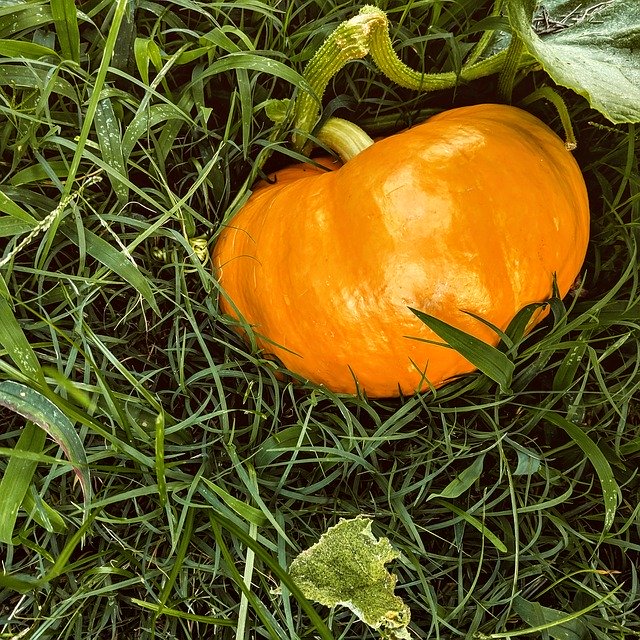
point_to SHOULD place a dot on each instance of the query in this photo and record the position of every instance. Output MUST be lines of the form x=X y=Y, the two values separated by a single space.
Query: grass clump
x=128 y=132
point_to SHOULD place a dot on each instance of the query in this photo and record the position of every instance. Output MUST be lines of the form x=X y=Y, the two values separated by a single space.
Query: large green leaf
x=347 y=567
x=592 y=48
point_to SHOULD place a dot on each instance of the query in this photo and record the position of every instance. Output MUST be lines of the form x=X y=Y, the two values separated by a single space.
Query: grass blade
x=65 y=18
x=32 y=405
x=610 y=488
x=463 y=482
x=17 y=478
x=18 y=348
x=120 y=9
x=477 y=524
x=15 y=49
x=115 y=260
x=45 y=515
x=110 y=140
x=489 y=360
x=535 y=615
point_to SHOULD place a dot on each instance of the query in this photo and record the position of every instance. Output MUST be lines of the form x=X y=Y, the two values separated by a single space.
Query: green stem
x=485 y=39
x=368 y=32
x=510 y=67
x=350 y=41
x=554 y=98
x=387 y=60
x=344 y=137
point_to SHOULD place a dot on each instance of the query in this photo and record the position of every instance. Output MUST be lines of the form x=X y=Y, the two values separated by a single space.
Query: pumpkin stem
x=368 y=32
x=510 y=67
x=350 y=41
x=344 y=137
x=554 y=98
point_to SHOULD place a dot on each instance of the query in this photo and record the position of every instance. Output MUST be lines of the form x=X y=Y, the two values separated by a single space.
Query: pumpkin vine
x=368 y=34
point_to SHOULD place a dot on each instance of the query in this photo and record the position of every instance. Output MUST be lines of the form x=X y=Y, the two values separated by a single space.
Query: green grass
x=209 y=473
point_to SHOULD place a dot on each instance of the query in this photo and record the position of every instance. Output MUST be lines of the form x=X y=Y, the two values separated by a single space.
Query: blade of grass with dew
x=33 y=406
x=120 y=9
x=35 y=79
x=17 y=479
x=110 y=141
x=610 y=488
x=489 y=360
x=16 y=18
x=16 y=344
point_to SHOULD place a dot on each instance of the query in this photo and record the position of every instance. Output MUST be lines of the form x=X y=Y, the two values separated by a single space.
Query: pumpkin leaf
x=346 y=567
x=592 y=48
x=489 y=360
x=32 y=405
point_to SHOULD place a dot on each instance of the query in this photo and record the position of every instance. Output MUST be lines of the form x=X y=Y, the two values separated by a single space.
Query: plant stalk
x=554 y=98
x=368 y=33
x=344 y=137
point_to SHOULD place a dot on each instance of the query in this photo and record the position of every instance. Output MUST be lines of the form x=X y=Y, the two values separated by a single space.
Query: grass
x=209 y=473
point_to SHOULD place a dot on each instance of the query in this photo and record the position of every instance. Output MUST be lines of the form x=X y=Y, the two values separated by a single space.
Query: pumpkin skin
x=473 y=210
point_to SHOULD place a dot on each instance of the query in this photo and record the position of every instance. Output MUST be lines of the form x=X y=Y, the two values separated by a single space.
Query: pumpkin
x=474 y=211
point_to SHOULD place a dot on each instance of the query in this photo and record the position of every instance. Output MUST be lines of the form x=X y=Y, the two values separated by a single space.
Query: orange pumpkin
x=474 y=210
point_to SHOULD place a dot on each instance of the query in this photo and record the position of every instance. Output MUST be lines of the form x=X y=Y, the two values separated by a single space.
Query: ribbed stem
x=368 y=32
x=389 y=63
x=554 y=98
x=510 y=67
x=344 y=137
x=350 y=41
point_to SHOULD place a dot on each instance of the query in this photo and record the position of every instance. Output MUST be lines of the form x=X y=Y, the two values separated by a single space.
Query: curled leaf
x=347 y=567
